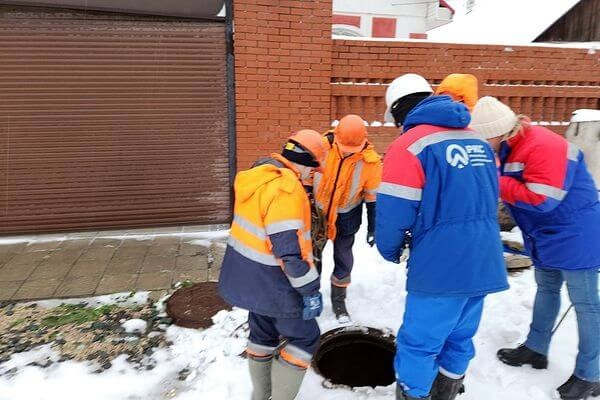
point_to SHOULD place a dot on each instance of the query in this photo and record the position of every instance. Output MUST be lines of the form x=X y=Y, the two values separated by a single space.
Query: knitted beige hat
x=492 y=118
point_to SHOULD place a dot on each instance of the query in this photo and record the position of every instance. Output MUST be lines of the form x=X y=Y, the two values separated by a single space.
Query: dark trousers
x=301 y=334
x=343 y=260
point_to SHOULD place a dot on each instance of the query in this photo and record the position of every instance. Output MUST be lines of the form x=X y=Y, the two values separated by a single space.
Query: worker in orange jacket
x=351 y=178
x=268 y=266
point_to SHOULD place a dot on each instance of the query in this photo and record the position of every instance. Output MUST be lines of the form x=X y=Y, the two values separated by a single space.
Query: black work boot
x=338 y=303
x=446 y=388
x=578 y=389
x=522 y=355
x=400 y=395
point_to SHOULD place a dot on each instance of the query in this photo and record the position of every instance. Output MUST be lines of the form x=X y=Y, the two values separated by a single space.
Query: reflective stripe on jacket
x=268 y=262
x=553 y=198
x=346 y=183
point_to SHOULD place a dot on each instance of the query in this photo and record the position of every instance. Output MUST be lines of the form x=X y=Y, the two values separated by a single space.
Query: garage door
x=111 y=120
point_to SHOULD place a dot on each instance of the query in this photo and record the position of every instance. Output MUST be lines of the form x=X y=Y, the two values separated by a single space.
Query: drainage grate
x=356 y=357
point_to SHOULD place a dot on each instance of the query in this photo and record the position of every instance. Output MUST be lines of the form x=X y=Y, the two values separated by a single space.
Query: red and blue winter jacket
x=440 y=182
x=553 y=198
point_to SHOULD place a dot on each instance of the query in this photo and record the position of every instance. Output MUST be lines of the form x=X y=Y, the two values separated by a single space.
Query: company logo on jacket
x=459 y=156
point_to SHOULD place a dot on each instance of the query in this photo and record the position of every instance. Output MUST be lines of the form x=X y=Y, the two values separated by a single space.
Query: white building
x=389 y=18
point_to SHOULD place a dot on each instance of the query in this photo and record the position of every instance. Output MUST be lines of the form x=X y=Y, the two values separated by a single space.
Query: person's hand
x=313 y=305
x=371 y=238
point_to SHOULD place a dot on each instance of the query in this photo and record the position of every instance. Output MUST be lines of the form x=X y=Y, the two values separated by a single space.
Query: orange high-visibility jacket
x=346 y=183
x=268 y=263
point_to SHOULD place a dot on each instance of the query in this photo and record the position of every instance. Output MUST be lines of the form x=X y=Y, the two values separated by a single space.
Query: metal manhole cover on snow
x=194 y=306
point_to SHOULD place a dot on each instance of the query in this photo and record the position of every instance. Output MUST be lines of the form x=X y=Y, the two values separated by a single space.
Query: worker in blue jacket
x=551 y=195
x=439 y=183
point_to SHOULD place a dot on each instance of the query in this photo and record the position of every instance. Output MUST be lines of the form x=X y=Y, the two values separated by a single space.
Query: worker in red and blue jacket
x=268 y=266
x=553 y=199
x=439 y=183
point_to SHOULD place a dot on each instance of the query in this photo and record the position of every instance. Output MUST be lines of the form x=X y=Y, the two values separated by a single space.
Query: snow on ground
x=135 y=325
x=201 y=237
x=376 y=299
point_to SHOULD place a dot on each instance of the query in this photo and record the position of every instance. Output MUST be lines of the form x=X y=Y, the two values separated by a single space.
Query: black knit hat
x=405 y=105
x=295 y=153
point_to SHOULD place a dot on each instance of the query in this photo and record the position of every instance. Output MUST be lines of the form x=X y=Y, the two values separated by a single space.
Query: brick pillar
x=283 y=68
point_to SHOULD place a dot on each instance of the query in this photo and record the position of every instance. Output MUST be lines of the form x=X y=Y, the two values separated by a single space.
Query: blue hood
x=438 y=111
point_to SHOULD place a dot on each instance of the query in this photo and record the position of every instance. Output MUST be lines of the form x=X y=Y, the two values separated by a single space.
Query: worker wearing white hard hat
x=412 y=89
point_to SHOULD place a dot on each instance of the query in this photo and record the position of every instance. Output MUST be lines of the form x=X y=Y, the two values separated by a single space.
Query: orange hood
x=461 y=87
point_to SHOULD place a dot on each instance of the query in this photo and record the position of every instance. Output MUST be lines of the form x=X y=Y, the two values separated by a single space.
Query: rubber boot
x=338 y=303
x=523 y=355
x=286 y=380
x=400 y=395
x=446 y=388
x=260 y=374
x=578 y=389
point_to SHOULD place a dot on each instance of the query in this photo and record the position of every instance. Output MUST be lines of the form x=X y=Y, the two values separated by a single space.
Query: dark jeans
x=583 y=292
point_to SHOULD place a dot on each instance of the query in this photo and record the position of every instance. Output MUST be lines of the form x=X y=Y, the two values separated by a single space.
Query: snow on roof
x=503 y=22
x=585 y=115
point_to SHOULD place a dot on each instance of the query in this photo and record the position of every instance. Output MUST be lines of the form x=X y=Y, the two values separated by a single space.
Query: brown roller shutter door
x=110 y=120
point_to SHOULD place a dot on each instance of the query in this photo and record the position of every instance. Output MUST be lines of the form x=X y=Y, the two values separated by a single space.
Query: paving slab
x=158 y=263
x=191 y=263
x=116 y=283
x=42 y=246
x=94 y=263
x=124 y=265
x=37 y=289
x=154 y=280
x=12 y=248
x=21 y=266
x=80 y=286
x=194 y=276
x=88 y=267
x=103 y=253
x=8 y=289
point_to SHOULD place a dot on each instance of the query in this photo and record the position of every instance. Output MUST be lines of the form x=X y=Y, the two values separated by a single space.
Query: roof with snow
x=503 y=22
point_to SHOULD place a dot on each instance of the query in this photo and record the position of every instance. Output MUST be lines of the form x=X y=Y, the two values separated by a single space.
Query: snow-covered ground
x=376 y=298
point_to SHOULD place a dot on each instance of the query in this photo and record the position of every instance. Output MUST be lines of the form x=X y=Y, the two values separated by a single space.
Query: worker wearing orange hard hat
x=351 y=177
x=268 y=266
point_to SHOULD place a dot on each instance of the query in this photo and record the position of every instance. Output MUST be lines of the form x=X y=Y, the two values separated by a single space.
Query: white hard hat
x=403 y=86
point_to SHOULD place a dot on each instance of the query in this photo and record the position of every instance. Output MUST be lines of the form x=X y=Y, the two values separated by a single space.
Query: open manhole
x=356 y=357
x=194 y=306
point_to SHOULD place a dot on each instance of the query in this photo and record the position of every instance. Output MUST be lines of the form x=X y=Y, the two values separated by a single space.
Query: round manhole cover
x=194 y=306
x=356 y=357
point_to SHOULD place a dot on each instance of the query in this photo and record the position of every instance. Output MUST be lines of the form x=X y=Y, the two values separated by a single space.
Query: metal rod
x=561 y=320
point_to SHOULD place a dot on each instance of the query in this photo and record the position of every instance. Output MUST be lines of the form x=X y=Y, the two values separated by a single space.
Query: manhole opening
x=194 y=306
x=356 y=358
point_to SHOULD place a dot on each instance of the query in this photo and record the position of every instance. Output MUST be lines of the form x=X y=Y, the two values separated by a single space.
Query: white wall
x=412 y=16
x=383 y=7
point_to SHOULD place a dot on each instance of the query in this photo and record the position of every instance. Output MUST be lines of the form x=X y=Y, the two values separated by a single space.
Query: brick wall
x=290 y=74
x=283 y=71
x=546 y=83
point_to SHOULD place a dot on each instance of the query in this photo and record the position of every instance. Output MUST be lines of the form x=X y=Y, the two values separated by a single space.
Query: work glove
x=371 y=238
x=313 y=305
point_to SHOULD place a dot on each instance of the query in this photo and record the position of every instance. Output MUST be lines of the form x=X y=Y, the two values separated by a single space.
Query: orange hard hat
x=351 y=134
x=461 y=87
x=312 y=141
